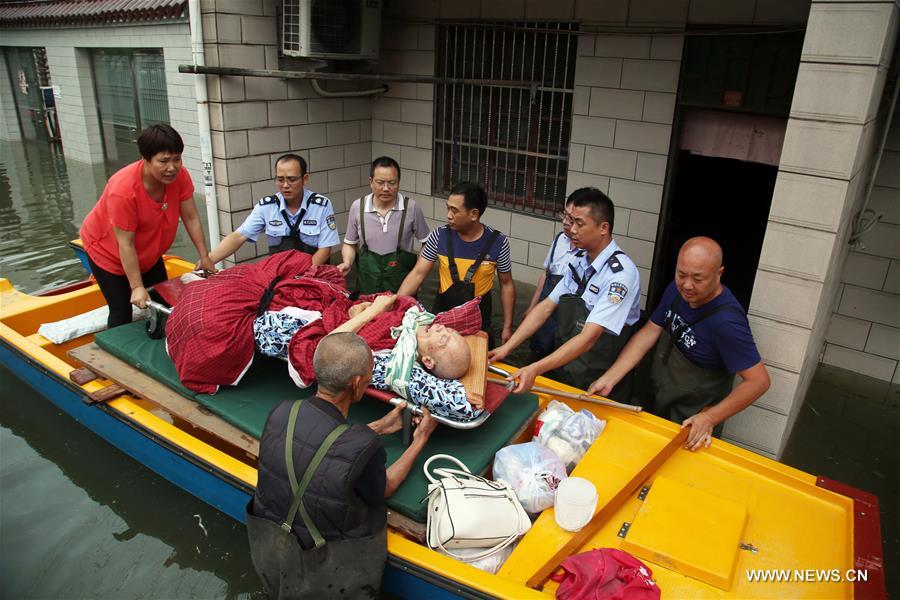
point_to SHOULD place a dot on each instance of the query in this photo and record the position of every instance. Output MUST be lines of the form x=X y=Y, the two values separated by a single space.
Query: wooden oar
x=607 y=510
x=582 y=397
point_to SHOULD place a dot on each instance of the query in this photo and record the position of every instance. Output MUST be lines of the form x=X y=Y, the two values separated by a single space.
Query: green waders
x=349 y=568
x=381 y=272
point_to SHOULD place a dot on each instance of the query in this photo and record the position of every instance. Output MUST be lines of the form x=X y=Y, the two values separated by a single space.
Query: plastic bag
x=490 y=564
x=532 y=471
x=566 y=433
x=605 y=574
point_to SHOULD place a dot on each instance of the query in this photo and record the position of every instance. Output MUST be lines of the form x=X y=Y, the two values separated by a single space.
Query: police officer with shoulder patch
x=596 y=304
x=292 y=219
x=317 y=522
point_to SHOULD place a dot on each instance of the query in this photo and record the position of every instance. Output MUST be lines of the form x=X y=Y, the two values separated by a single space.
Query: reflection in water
x=43 y=199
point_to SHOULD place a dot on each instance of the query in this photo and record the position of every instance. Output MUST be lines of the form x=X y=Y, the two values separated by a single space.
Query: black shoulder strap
x=362 y=222
x=485 y=248
x=295 y=228
x=553 y=251
x=614 y=264
x=403 y=212
x=451 y=259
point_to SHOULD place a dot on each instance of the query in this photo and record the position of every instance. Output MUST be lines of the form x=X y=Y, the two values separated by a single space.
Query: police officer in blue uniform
x=292 y=219
x=596 y=304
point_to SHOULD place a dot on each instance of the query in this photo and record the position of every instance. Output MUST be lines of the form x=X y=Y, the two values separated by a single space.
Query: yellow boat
x=721 y=522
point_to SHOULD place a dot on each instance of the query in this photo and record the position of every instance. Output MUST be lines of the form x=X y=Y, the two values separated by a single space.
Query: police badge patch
x=617 y=292
x=330 y=221
x=276 y=223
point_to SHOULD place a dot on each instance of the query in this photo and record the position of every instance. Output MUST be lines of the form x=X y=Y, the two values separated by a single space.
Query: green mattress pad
x=267 y=383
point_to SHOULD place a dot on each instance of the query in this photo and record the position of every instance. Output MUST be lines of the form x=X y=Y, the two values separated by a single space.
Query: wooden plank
x=144 y=386
x=82 y=376
x=106 y=394
x=404 y=524
x=607 y=510
x=476 y=376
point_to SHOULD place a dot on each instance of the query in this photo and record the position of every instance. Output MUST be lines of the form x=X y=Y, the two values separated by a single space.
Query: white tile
x=780 y=344
x=785 y=298
x=823 y=149
x=663 y=12
x=598 y=72
x=884 y=341
x=270 y=139
x=850 y=33
x=346 y=132
x=642 y=225
x=581 y=100
x=531 y=229
x=309 y=136
x=549 y=9
x=858 y=102
x=622 y=46
x=576 y=157
x=756 y=428
x=607 y=11
x=616 y=104
x=324 y=159
x=807 y=201
x=889 y=171
x=493 y=217
x=593 y=130
x=537 y=253
x=609 y=161
x=518 y=250
x=415 y=158
x=860 y=362
x=781 y=393
x=659 y=107
x=870 y=305
x=636 y=195
x=892 y=281
x=417 y=111
x=884 y=201
x=797 y=251
x=882 y=240
x=650 y=75
x=651 y=168
x=646 y=137
x=639 y=251
x=730 y=12
x=780 y=12
x=847 y=332
x=576 y=180
x=865 y=271
x=667 y=47
x=396 y=132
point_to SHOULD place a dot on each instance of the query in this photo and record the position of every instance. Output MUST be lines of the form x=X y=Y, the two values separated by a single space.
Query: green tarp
x=267 y=383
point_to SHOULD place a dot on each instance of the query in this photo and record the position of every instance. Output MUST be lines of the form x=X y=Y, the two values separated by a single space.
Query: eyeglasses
x=290 y=180
x=566 y=217
x=380 y=183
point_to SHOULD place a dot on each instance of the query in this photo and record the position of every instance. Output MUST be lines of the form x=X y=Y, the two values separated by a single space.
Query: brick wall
x=9 y=124
x=68 y=58
x=864 y=332
x=254 y=120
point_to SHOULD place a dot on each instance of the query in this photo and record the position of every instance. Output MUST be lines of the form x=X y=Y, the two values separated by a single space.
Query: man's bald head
x=339 y=358
x=699 y=270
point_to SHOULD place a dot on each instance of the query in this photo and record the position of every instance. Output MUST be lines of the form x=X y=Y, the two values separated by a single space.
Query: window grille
x=513 y=141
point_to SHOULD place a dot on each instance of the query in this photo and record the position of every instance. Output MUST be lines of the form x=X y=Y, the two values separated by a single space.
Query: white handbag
x=468 y=511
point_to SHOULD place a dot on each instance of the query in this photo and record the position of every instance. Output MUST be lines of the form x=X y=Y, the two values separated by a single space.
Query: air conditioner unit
x=334 y=29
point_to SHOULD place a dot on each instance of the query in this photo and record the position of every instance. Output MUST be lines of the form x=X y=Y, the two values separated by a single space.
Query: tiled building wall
x=254 y=120
x=69 y=61
x=825 y=162
x=9 y=124
x=864 y=333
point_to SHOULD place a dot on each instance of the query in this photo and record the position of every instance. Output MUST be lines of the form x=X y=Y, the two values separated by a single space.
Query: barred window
x=514 y=141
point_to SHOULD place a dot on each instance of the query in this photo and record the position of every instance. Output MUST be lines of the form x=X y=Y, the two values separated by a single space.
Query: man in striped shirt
x=468 y=254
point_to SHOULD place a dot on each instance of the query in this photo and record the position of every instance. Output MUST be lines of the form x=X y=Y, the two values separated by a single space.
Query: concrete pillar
x=76 y=106
x=825 y=163
x=9 y=122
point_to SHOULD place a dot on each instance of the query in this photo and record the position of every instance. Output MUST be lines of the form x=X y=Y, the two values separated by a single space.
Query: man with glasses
x=561 y=253
x=596 y=305
x=292 y=219
x=382 y=229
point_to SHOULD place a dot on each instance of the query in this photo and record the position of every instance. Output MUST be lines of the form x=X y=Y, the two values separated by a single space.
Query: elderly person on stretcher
x=282 y=307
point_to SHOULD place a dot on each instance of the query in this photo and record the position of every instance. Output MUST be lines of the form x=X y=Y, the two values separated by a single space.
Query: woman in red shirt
x=135 y=220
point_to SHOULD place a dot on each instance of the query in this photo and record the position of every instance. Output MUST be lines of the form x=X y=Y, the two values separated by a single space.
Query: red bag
x=605 y=574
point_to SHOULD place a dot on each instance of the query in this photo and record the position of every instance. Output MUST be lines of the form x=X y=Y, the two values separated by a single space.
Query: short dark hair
x=384 y=161
x=296 y=157
x=473 y=196
x=159 y=138
x=601 y=206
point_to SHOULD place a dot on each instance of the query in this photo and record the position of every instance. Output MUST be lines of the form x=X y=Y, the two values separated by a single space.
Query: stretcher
x=491 y=396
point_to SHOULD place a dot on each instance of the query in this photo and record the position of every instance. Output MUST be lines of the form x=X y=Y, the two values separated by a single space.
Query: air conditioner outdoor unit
x=334 y=29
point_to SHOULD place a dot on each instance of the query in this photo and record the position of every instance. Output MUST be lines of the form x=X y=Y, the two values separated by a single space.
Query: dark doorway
x=727 y=200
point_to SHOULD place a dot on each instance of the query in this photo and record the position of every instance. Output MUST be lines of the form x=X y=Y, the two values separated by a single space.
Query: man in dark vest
x=294 y=218
x=707 y=341
x=317 y=521
x=596 y=304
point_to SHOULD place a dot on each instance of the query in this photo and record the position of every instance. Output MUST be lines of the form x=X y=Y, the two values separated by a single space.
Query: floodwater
x=80 y=519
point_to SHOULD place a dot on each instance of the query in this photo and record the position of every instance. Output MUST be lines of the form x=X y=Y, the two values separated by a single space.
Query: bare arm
x=378 y=306
x=191 y=221
x=348 y=255
x=508 y=300
x=321 y=256
x=754 y=383
x=131 y=266
x=227 y=246
x=413 y=281
x=398 y=471
x=637 y=347
x=572 y=349
x=537 y=292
